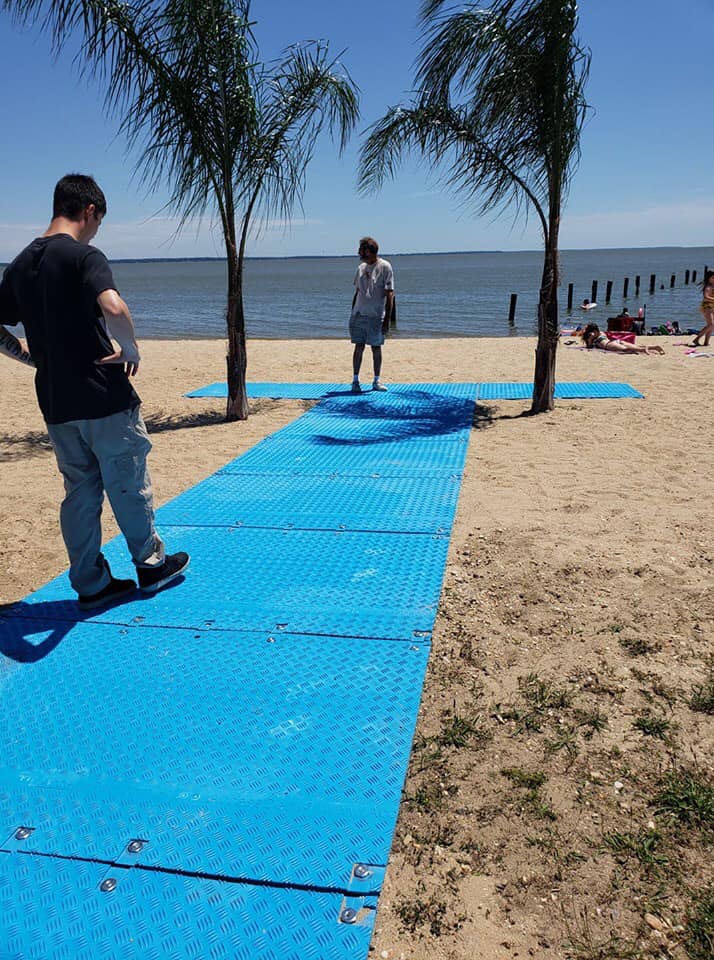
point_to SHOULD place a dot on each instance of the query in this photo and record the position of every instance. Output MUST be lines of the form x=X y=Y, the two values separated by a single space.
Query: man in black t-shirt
x=62 y=291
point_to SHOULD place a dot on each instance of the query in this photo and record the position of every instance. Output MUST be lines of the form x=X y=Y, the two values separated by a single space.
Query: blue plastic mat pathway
x=215 y=771
x=478 y=391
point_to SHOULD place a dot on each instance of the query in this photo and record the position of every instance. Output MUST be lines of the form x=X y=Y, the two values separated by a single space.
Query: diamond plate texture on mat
x=563 y=391
x=292 y=391
x=217 y=389
x=307 y=581
x=272 y=841
x=280 y=456
x=310 y=391
x=617 y=391
x=54 y=910
x=505 y=391
x=203 y=719
x=401 y=403
x=410 y=504
x=344 y=431
x=267 y=757
x=228 y=751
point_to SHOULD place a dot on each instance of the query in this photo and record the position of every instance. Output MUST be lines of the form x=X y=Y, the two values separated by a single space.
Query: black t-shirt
x=51 y=288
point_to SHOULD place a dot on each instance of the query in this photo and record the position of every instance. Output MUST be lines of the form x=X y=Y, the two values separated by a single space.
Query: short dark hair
x=370 y=243
x=74 y=193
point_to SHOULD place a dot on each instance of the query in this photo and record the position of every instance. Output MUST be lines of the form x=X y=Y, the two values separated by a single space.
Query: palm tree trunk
x=544 y=376
x=236 y=360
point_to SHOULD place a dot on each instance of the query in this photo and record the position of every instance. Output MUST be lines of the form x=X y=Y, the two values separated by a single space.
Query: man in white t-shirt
x=371 y=309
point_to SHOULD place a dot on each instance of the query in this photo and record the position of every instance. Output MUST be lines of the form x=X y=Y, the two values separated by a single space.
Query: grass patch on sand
x=687 y=797
x=700 y=927
x=653 y=726
x=702 y=698
x=539 y=697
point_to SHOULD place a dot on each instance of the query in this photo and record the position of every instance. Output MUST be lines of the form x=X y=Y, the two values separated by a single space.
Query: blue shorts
x=366 y=330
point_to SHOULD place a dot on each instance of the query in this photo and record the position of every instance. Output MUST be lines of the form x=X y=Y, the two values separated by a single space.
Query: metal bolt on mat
x=348 y=915
x=136 y=846
x=108 y=885
x=361 y=871
x=22 y=833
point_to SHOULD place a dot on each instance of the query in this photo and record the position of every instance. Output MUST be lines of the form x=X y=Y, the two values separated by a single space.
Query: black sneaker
x=152 y=579
x=114 y=590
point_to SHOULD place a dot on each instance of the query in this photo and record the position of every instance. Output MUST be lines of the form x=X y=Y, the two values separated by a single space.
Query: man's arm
x=121 y=328
x=388 y=307
x=10 y=346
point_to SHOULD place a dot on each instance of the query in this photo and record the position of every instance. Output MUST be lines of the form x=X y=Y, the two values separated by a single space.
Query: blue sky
x=644 y=178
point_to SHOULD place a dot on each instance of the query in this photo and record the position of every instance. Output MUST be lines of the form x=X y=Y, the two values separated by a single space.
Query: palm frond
x=298 y=97
x=467 y=162
x=513 y=73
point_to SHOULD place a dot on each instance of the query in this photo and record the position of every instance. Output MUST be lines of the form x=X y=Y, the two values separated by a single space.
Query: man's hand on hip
x=131 y=363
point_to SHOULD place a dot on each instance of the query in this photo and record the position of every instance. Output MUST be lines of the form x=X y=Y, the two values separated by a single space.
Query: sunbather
x=594 y=339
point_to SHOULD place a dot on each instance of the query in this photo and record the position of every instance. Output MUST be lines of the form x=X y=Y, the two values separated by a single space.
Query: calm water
x=454 y=294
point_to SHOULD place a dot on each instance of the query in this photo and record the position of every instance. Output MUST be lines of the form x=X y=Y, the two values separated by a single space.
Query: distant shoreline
x=427 y=253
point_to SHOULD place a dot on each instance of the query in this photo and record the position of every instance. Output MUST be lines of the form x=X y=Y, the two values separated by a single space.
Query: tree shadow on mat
x=416 y=416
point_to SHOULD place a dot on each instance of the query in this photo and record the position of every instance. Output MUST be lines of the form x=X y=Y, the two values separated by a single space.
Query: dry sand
x=577 y=602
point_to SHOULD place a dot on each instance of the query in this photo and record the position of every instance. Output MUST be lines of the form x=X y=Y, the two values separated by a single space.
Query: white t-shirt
x=372 y=282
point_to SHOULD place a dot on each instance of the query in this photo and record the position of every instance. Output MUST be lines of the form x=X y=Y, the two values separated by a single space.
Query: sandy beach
x=577 y=601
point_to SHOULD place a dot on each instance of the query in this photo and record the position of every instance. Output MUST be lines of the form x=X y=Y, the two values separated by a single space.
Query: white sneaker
x=379 y=386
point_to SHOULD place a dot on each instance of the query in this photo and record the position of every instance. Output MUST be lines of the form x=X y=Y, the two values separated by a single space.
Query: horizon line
x=425 y=253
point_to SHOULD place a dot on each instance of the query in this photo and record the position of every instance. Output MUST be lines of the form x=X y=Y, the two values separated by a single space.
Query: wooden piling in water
x=608 y=291
x=512 y=310
x=625 y=288
x=570 y=297
x=637 y=285
x=593 y=293
x=694 y=276
x=686 y=277
x=653 y=279
x=671 y=280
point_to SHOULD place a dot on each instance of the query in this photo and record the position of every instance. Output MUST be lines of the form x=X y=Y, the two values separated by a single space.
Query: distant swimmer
x=586 y=305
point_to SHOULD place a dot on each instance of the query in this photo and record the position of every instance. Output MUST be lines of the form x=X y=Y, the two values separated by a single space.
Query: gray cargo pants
x=94 y=456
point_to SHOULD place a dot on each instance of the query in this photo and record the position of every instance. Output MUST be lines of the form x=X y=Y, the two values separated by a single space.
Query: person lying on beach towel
x=594 y=339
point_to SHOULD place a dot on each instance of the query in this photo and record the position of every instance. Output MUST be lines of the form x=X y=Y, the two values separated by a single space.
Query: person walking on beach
x=707 y=309
x=371 y=309
x=62 y=291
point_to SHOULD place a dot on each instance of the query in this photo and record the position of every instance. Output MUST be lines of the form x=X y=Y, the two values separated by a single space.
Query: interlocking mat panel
x=480 y=391
x=563 y=391
x=316 y=391
x=215 y=771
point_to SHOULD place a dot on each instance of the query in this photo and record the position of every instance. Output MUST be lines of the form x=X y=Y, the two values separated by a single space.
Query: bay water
x=438 y=295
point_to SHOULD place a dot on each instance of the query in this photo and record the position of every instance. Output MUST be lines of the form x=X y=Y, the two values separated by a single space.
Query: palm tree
x=228 y=133
x=497 y=115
